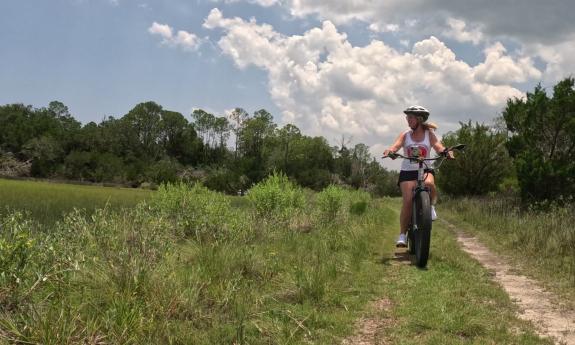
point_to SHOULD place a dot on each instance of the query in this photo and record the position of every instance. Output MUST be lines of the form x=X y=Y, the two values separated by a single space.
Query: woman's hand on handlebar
x=389 y=153
x=447 y=153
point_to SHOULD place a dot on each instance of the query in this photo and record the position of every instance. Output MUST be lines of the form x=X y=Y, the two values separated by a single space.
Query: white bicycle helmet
x=418 y=111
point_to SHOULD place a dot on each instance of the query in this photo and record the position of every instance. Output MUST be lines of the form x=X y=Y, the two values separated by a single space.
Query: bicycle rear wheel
x=422 y=236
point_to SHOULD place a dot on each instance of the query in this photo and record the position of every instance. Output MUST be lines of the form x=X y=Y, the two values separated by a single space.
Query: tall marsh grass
x=48 y=202
x=539 y=237
x=188 y=267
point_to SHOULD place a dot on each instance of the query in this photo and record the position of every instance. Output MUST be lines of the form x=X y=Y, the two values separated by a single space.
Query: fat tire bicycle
x=419 y=228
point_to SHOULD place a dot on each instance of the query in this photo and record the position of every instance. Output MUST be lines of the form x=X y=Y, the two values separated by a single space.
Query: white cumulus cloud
x=542 y=28
x=264 y=3
x=182 y=39
x=327 y=86
x=559 y=59
x=528 y=20
x=458 y=30
x=375 y=27
x=500 y=69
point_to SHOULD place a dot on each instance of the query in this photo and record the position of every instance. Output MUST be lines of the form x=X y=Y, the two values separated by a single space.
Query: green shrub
x=276 y=198
x=483 y=165
x=164 y=171
x=541 y=137
x=330 y=203
x=16 y=249
x=223 y=180
x=358 y=201
x=196 y=211
x=27 y=259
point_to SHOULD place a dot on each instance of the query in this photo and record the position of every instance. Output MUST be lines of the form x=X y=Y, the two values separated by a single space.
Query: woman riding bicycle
x=416 y=141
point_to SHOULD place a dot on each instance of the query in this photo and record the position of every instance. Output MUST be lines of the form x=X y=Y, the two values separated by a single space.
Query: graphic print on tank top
x=417 y=150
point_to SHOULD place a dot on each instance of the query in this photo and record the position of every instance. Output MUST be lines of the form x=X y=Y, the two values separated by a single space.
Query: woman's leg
x=406 y=193
x=430 y=183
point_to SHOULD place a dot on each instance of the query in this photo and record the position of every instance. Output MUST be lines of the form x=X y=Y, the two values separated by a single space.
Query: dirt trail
x=535 y=303
x=369 y=329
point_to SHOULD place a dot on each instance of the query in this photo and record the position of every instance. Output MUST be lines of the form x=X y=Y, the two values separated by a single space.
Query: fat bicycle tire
x=411 y=240
x=422 y=236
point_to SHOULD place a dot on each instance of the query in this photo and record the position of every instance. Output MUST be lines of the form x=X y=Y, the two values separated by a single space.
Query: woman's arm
x=437 y=145
x=396 y=145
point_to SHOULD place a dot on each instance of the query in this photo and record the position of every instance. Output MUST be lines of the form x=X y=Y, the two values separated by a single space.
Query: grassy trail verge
x=538 y=244
x=454 y=301
x=537 y=305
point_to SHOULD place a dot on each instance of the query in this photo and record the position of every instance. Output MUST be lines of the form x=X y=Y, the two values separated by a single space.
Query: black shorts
x=411 y=175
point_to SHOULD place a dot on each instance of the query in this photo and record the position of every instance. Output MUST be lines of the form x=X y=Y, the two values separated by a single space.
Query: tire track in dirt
x=535 y=303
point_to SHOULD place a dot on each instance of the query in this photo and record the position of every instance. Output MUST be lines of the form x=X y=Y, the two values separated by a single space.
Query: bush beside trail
x=276 y=198
x=196 y=212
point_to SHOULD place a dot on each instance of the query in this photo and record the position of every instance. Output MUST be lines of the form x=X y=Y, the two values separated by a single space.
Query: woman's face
x=411 y=121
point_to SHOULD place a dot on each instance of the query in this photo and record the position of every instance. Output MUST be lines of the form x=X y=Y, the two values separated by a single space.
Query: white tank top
x=410 y=148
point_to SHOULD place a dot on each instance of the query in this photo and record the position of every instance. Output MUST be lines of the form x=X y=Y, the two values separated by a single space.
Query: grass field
x=190 y=266
x=47 y=202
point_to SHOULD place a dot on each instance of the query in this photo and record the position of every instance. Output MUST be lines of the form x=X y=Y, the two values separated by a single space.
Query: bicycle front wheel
x=422 y=235
x=411 y=239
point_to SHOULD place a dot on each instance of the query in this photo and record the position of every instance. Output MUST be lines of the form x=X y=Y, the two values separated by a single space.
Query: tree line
x=529 y=151
x=151 y=145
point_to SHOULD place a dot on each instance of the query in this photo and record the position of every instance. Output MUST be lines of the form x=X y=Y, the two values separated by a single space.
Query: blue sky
x=332 y=68
x=100 y=60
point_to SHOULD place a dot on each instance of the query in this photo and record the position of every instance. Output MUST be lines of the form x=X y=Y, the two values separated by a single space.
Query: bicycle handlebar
x=443 y=154
x=411 y=158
